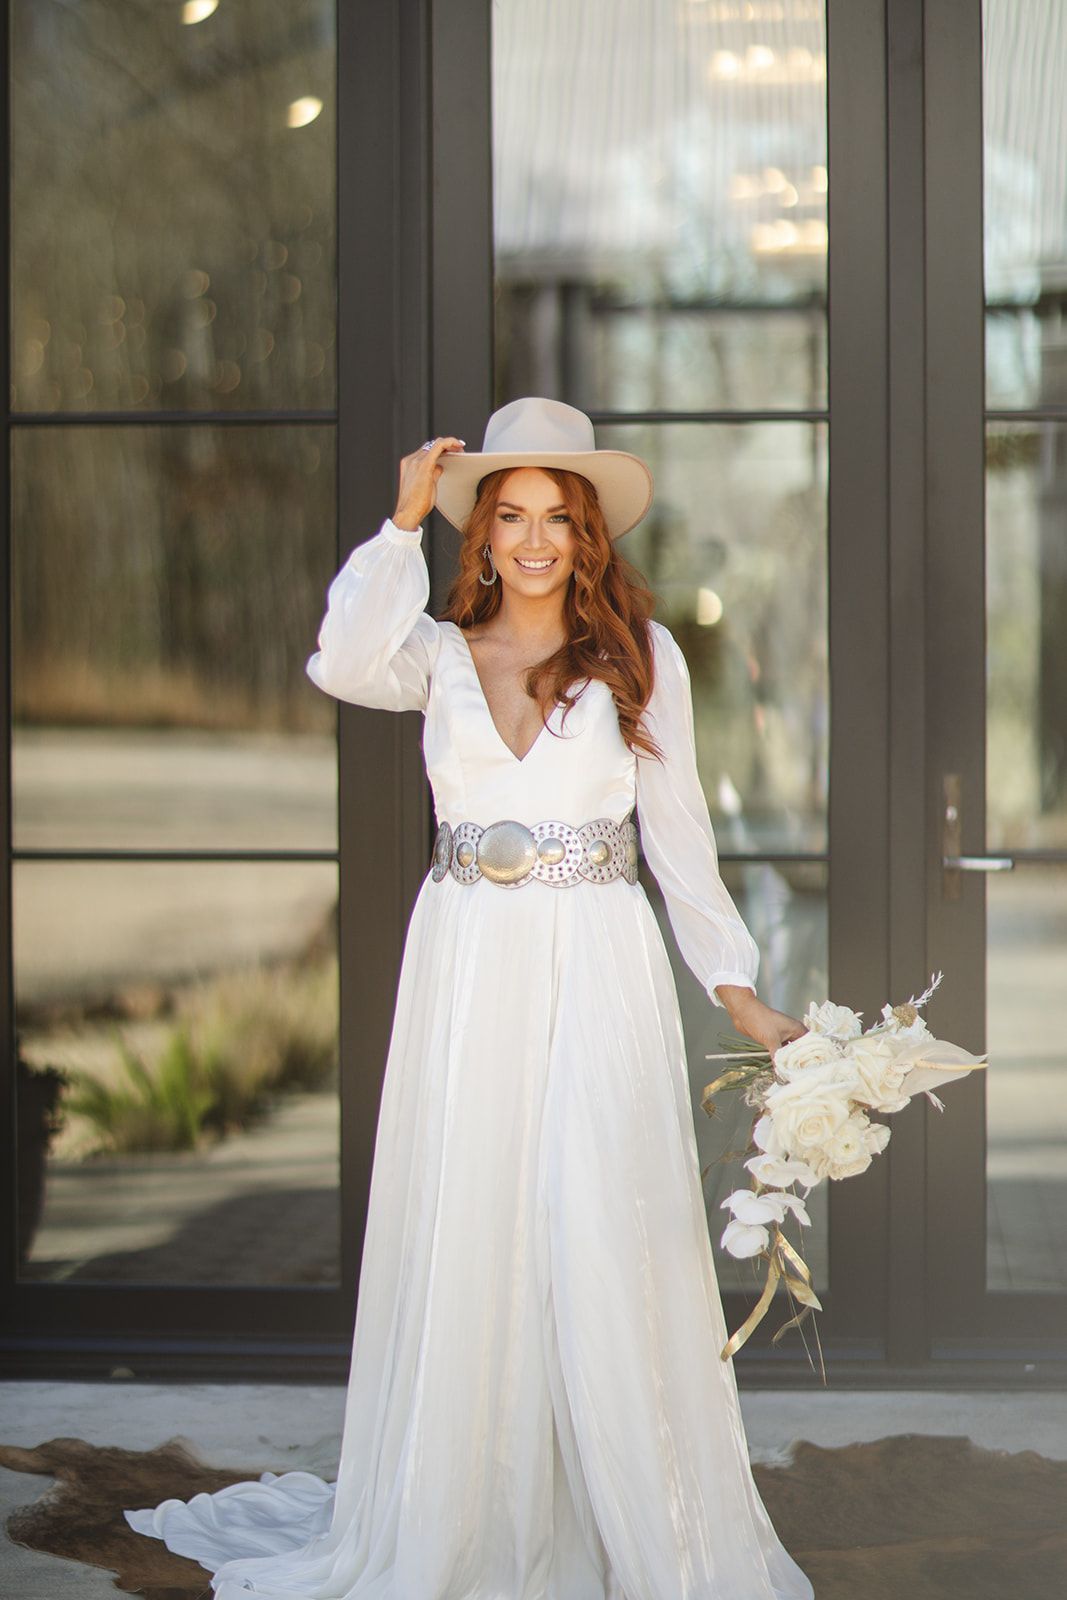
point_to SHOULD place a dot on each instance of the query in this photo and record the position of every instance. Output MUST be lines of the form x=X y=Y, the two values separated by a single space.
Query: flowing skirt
x=536 y=1407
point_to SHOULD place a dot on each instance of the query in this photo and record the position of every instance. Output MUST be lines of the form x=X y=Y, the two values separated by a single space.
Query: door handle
x=953 y=861
x=979 y=863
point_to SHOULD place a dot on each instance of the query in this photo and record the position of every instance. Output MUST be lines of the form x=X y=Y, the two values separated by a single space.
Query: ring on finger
x=429 y=444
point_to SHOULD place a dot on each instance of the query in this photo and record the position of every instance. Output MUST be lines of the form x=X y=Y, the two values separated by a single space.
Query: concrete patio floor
x=282 y=1427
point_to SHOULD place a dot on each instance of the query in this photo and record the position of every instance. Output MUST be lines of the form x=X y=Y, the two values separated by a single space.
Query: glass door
x=999 y=1162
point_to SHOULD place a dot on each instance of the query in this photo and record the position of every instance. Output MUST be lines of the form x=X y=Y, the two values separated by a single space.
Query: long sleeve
x=377 y=645
x=677 y=836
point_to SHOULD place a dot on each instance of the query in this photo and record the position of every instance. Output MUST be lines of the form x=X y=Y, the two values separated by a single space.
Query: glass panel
x=1026 y=575
x=172 y=231
x=735 y=549
x=1026 y=583
x=177 y=1072
x=1026 y=1160
x=659 y=178
x=785 y=907
x=1025 y=69
x=167 y=587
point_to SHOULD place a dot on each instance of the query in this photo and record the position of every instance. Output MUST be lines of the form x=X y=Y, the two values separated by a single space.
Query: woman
x=536 y=1406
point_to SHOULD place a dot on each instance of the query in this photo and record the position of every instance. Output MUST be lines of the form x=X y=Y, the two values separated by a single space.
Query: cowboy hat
x=534 y=432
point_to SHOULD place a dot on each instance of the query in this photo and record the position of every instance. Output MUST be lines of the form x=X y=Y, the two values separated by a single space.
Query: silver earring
x=488 y=581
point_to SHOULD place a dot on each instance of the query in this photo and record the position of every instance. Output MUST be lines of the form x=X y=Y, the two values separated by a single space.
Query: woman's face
x=532 y=537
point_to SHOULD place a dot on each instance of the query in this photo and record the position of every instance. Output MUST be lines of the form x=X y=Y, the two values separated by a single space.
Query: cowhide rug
x=907 y=1517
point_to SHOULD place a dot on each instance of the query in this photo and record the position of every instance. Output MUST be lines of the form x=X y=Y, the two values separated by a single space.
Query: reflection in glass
x=735 y=549
x=1025 y=177
x=173 y=205
x=167 y=586
x=1026 y=1159
x=785 y=907
x=177 y=1072
x=659 y=185
x=1026 y=593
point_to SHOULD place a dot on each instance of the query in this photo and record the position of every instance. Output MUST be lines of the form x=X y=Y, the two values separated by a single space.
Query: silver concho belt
x=511 y=854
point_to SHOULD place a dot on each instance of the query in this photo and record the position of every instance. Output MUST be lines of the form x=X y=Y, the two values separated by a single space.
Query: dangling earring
x=488 y=581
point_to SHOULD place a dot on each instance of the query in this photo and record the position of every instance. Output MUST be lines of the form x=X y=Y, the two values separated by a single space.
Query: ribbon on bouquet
x=779 y=1256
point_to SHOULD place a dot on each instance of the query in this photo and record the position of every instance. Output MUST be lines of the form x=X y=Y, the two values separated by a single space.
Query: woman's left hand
x=768 y=1027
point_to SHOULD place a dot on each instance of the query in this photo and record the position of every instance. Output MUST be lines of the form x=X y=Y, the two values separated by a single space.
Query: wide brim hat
x=535 y=432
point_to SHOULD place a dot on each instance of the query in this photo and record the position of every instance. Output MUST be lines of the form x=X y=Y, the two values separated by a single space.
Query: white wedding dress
x=536 y=1405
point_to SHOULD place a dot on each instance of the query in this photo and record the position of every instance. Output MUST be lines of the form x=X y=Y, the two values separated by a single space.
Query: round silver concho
x=442 y=851
x=628 y=835
x=507 y=852
x=604 y=856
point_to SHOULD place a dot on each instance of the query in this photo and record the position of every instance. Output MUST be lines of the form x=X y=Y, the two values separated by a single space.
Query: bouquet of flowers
x=814 y=1097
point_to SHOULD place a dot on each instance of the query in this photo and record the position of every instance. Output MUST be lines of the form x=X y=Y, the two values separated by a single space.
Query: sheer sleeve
x=677 y=835
x=377 y=646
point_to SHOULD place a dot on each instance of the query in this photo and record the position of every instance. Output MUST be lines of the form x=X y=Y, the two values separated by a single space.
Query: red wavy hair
x=606 y=607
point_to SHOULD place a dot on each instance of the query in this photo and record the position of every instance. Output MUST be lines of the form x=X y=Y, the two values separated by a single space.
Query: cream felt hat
x=535 y=432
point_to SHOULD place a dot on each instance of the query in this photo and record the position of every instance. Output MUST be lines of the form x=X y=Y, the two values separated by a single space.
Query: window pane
x=1026 y=578
x=735 y=549
x=167 y=586
x=1025 y=69
x=1026 y=1156
x=1026 y=592
x=785 y=906
x=173 y=180
x=177 y=1072
x=659 y=176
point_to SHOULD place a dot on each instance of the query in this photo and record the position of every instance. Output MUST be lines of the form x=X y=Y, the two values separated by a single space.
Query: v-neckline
x=483 y=697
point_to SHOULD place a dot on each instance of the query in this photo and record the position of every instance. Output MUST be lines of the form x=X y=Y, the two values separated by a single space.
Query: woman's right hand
x=419 y=473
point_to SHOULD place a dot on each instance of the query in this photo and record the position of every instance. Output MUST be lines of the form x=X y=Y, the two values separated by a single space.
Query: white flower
x=874 y=1057
x=776 y=1170
x=752 y=1208
x=741 y=1240
x=748 y=1233
x=765 y=1135
x=810 y=1050
x=847 y=1152
x=891 y=1023
x=877 y=1136
x=806 y=1113
x=839 y=1022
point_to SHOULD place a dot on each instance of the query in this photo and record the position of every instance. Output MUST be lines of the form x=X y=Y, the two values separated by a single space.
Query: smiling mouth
x=536 y=566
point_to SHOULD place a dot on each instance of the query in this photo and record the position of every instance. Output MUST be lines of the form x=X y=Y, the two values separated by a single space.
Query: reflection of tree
x=1027 y=634
x=172 y=248
x=171 y=576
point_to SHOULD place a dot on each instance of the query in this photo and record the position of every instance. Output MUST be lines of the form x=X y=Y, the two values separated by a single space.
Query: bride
x=536 y=1406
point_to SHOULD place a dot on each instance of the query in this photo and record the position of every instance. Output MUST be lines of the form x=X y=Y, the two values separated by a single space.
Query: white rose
x=874 y=1059
x=847 y=1152
x=778 y=1171
x=810 y=1050
x=807 y=1112
x=839 y=1022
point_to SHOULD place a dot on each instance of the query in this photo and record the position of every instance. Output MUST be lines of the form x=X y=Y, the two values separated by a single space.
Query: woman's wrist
x=404 y=519
x=739 y=1002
